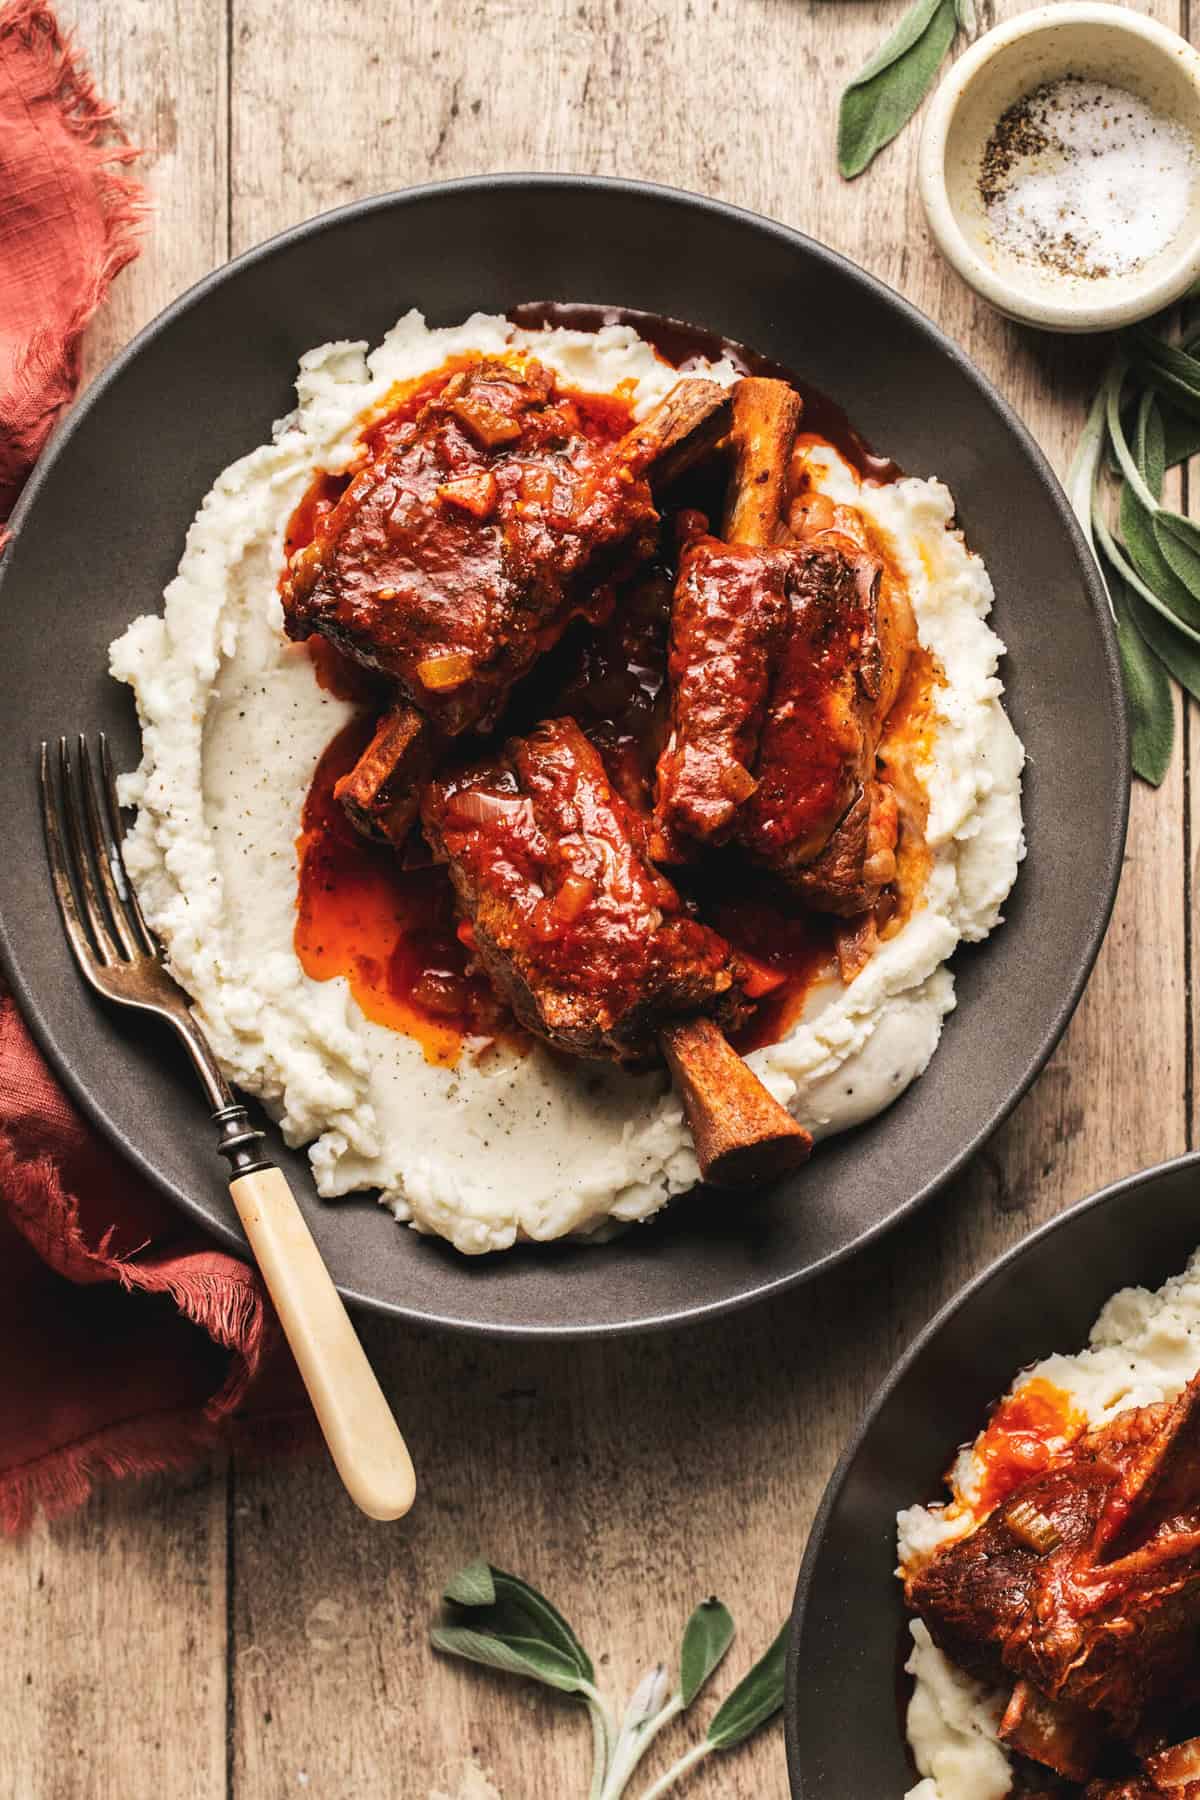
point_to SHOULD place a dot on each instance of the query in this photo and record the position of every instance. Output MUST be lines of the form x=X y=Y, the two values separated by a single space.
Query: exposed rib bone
x=381 y=793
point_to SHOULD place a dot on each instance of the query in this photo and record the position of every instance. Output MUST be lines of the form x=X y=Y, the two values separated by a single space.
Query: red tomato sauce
x=1023 y=1435
x=390 y=930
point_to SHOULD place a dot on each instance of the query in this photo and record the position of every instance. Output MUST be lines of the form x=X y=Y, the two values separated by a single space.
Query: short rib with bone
x=593 y=947
x=1080 y=1594
x=786 y=658
x=461 y=553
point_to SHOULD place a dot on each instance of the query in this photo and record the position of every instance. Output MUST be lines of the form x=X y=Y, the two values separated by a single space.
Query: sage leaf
x=1179 y=540
x=511 y=1655
x=1181 y=433
x=1148 y=694
x=887 y=91
x=965 y=13
x=503 y=1605
x=1147 y=572
x=1083 y=479
x=472 y=1585
x=1126 y=461
x=1174 y=370
x=907 y=34
x=1137 y=525
x=1179 y=656
x=1149 y=444
x=1150 y=591
x=706 y=1637
x=647 y=1700
x=755 y=1699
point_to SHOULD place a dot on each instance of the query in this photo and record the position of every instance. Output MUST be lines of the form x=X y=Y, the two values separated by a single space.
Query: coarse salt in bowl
x=1060 y=167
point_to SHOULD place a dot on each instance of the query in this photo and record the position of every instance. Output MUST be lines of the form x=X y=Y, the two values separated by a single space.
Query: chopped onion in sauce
x=471 y=806
x=573 y=898
x=1032 y=1527
x=449 y=671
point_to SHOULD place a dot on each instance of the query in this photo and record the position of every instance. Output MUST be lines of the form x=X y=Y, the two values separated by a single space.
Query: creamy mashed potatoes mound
x=1144 y=1348
x=234 y=722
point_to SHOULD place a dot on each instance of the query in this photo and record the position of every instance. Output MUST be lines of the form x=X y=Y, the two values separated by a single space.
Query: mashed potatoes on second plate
x=234 y=722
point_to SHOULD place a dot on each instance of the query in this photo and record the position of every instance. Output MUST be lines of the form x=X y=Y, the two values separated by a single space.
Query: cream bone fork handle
x=120 y=959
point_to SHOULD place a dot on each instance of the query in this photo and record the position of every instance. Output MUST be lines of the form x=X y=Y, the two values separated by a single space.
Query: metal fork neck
x=240 y=1143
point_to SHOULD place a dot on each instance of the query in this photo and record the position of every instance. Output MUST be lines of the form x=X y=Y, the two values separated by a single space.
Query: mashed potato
x=1144 y=1348
x=233 y=724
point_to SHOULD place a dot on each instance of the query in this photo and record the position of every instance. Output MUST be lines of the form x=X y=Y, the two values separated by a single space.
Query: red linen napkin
x=67 y=224
x=128 y=1342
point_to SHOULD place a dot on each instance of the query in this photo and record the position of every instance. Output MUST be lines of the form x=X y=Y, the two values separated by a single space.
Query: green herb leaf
x=1173 y=370
x=907 y=34
x=1179 y=541
x=1181 y=432
x=755 y=1699
x=1083 y=478
x=1164 y=592
x=472 y=1586
x=887 y=91
x=1172 y=649
x=1137 y=526
x=1137 y=535
x=647 y=1701
x=511 y=1655
x=1149 y=444
x=1148 y=691
x=706 y=1637
x=504 y=1606
x=965 y=13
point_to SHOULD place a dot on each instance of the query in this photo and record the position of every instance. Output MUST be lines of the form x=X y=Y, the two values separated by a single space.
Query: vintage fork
x=120 y=959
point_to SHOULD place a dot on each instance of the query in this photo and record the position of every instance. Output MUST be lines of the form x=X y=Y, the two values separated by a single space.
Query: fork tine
x=102 y=851
x=89 y=894
x=64 y=893
x=133 y=905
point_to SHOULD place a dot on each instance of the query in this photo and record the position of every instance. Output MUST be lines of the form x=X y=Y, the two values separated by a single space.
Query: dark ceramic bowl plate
x=843 y=1715
x=100 y=531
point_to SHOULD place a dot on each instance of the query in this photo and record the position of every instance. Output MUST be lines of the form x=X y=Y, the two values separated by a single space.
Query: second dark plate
x=843 y=1713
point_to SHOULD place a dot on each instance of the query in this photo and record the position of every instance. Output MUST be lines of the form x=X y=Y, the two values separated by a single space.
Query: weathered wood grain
x=112 y=1656
x=164 y=65
x=630 y=1479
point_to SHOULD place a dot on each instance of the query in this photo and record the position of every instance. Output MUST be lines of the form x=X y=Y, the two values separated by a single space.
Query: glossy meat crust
x=780 y=685
x=1102 y=1621
x=817 y=745
x=588 y=942
x=728 y=625
x=459 y=554
x=786 y=657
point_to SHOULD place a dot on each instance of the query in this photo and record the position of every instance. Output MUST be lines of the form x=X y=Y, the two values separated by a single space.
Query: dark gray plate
x=843 y=1713
x=100 y=531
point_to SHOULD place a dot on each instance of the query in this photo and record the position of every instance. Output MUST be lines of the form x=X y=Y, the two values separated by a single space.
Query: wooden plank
x=113 y=1656
x=163 y=66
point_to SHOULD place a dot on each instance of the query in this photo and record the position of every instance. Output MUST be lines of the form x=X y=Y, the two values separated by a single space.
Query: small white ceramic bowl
x=1098 y=42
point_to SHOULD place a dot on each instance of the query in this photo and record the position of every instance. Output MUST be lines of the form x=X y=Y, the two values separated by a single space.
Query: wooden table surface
x=245 y=1632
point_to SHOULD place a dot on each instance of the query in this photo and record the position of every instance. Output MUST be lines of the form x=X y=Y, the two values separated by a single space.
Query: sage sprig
x=1145 y=420
x=887 y=91
x=498 y=1620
